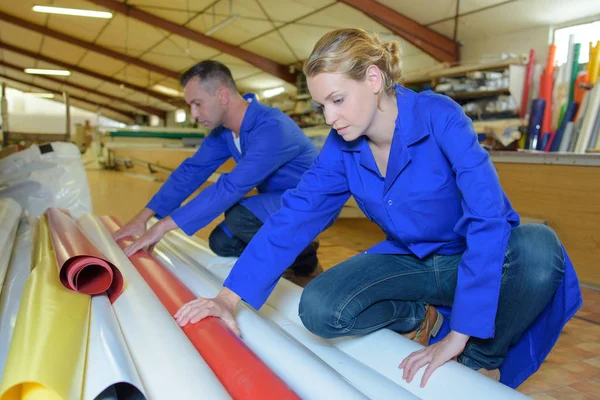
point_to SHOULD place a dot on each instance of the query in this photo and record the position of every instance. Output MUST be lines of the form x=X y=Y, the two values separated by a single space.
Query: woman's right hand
x=223 y=307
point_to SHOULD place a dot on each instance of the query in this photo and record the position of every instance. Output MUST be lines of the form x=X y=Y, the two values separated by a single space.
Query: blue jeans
x=373 y=291
x=230 y=238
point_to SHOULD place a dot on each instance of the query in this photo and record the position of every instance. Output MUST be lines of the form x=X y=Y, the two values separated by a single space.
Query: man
x=271 y=152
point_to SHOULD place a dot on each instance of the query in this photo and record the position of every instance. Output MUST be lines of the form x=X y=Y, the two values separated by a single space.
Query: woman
x=415 y=168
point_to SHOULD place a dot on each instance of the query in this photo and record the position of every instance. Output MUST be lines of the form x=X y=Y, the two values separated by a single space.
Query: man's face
x=206 y=103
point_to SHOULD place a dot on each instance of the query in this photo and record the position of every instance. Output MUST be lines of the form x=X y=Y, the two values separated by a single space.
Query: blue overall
x=440 y=195
x=275 y=154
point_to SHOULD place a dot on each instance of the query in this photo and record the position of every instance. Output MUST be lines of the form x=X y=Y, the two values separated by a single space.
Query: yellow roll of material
x=47 y=354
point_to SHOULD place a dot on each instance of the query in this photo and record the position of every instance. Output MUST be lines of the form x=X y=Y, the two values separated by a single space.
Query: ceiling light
x=222 y=24
x=72 y=11
x=166 y=90
x=42 y=95
x=36 y=71
x=273 y=92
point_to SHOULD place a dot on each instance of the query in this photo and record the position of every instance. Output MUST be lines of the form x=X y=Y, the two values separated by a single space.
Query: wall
x=516 y=42
x=36 y=115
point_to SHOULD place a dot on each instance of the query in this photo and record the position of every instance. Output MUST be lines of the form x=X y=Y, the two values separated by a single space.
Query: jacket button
x=390 y=202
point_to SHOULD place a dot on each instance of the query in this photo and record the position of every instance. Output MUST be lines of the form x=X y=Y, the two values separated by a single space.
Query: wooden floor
x=571 y=372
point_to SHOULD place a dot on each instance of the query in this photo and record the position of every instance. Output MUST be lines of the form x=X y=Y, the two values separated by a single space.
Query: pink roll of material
x=82 y=267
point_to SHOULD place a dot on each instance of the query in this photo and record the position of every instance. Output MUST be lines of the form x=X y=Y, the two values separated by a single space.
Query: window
x=180 y=115
x=583 y=33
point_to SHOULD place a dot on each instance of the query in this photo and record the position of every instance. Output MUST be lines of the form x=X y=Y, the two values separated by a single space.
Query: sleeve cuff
x=255 y=298
x=462 y=322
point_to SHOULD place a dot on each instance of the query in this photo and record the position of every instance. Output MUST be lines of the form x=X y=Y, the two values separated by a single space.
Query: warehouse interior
x=94 y=120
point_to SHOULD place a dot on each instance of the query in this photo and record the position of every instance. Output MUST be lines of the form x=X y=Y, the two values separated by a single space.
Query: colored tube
x=108 y=363
x=10 y=211
x=10 y=298
x=382 y=351
x=82 y=267
x=568 y=117
x=589 y=119
x=535 y=122
x=240 y=371
x=528 y=80
x=546 y=87
x=294 y=363
x=173 y=371
x=47 y=353
x=574 y=72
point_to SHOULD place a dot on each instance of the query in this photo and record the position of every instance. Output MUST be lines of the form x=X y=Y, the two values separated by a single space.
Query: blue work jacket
x=275 y=153
x=440 y=194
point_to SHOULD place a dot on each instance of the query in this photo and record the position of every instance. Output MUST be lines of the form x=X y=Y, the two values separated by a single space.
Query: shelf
x=476 y=94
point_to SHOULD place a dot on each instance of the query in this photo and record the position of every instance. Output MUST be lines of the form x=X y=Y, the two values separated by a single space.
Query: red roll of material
x=546 y=86
x=82 y=267
x=528 y=80
x=240 y=371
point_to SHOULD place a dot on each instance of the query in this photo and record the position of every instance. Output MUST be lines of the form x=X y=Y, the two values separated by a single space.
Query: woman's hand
x=223 y=306
x=433 y=356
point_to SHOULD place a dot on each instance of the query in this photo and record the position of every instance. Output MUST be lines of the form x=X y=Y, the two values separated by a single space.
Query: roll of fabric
x=535 y=122
x=568 y=136
x=108 y=364
x=10 y=212
x=589 y=120
x=173 y=371
x=10 y=298
x=240 y=371
x=569 y=115
x=47 y=354
x=82 y=267
x=294 y=363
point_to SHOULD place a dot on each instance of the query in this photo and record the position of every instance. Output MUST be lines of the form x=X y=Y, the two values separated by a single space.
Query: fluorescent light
x=273 y=92
x=222 y=24
x=72 y=11
x=36 y=71
x=42 y=95
x=180 y=115
x=166 y=90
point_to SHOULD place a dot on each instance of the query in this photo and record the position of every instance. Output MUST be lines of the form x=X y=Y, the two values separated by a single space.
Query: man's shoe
x=429 y=327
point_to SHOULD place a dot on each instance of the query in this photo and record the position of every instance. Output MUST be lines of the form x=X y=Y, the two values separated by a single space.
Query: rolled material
x=168 y=364
x=10 y=298
x=240 y=371
x=47 y=353
x=568 y=136
x=592 y=112
x=108 y=363
x=368 y=381
x=10 y=211
x=82 y=267
x=569 y=115
x=295 y=364
x=536 y=118
x=382 y=351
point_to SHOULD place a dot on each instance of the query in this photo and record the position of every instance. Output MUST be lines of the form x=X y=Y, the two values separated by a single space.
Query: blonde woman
x=414 y=165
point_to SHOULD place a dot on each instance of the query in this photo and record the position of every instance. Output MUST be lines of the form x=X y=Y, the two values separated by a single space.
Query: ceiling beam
x=150 y=110
x=279 y=70
x=87 y=45
x=37 y=85
x=75 y=68
x=426 y=39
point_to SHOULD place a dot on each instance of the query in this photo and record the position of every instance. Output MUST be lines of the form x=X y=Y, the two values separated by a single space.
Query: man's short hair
x=211 y=72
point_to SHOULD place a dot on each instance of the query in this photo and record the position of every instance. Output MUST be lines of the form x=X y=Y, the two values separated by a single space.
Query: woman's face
x=349 y=106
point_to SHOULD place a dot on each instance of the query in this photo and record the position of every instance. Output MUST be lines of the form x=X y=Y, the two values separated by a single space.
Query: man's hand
x=223 y=306
x=135 y=227
x=151 y=236
x=435 y=355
